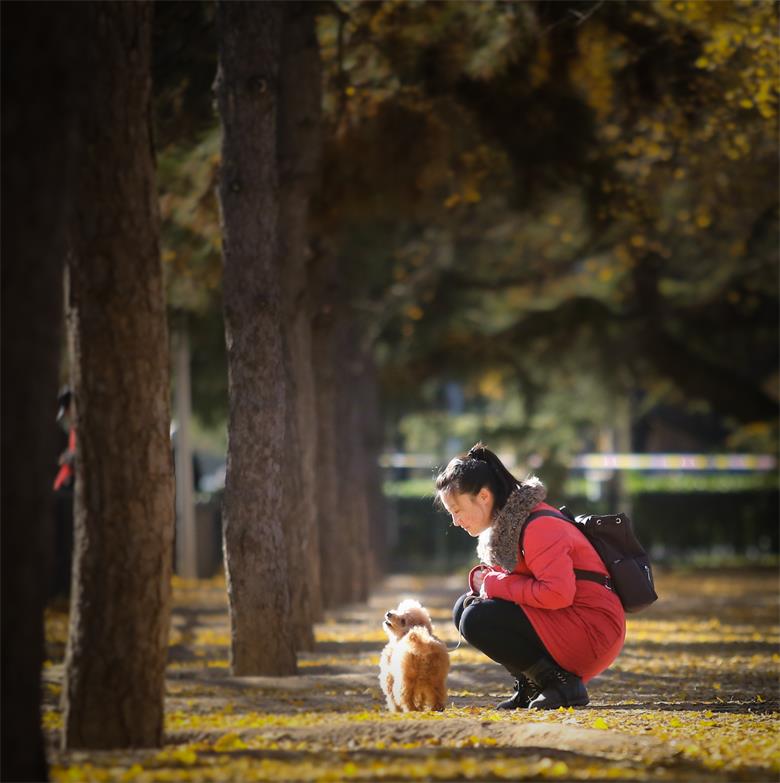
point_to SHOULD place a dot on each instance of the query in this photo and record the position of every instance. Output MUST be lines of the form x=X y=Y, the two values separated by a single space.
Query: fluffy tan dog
x=414 y=664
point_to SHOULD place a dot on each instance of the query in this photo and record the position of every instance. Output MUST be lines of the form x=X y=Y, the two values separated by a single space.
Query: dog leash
x=460 y=639
x=470 y=600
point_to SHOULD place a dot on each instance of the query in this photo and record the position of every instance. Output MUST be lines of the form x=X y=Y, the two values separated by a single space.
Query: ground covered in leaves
x=693 y=696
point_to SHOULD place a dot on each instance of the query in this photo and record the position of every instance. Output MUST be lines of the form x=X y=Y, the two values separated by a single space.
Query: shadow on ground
x=693 y=696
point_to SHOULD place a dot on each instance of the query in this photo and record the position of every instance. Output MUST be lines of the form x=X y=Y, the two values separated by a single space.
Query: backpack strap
x=536 y=515
x=593 y=576
x=579 y=573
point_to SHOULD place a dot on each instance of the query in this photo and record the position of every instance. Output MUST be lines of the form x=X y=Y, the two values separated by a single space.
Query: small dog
x=414 y=664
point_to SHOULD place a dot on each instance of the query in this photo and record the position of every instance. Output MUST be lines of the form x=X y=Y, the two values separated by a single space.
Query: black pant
x=501 y=630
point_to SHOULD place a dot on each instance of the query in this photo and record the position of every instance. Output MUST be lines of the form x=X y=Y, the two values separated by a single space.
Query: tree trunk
x=262 y=640
x=370 y=427
x=331 y=471
x=342 y=472
x=120 y=606
x=299 y=154
x=39 y=147
x=354 y=483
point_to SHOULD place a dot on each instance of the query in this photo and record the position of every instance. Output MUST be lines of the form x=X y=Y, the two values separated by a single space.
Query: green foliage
x=563 y=201
x=190 y=231
x=559 y=191
x=635 y=483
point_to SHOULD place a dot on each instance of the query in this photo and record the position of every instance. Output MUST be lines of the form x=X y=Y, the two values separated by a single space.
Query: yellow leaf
x=186 y=756
x=229 y=741
x=471 y=195
x=600 y=723
x=559 y=769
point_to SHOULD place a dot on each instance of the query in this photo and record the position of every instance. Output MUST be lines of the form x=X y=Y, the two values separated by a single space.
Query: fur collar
x=498 y=544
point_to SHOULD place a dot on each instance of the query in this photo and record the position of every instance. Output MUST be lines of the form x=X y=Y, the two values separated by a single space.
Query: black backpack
x=613 y=538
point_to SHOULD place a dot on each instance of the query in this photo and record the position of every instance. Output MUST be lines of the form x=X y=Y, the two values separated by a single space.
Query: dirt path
x=693 y=696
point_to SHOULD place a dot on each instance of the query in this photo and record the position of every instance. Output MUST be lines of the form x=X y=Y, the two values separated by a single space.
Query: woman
x=551 y=631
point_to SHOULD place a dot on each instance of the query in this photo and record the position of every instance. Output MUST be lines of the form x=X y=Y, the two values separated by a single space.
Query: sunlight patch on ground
x=704 y=690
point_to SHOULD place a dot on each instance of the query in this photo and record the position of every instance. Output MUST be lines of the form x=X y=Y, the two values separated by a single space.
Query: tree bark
x=332 y=520
x=370 y=427
x=299 y=155
x=120 y=605
x=39 y=149
x=262 y=640
x=353 y=484
x=344 y=472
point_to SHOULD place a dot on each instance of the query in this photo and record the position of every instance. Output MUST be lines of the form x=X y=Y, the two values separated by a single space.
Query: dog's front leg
x=386 y=678
x=401 y=695
x=392 y=705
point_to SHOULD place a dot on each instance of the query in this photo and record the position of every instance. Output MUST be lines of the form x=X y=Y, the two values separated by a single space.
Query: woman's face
x=471 y=512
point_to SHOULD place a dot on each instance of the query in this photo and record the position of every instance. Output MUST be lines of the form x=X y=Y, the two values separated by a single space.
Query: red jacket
x=67 y=471
x=582 y=624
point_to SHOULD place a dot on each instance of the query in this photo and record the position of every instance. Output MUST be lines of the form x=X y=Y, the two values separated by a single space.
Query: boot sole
x=579 y=703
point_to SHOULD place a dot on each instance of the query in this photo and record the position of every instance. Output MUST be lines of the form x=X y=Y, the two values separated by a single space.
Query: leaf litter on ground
x=693 y=696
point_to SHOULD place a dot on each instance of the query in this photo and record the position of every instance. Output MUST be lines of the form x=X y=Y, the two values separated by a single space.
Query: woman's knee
x=475 y=623
x=457 y=610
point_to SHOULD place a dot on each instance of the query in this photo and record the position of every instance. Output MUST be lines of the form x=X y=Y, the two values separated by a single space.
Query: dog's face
x=408 y=615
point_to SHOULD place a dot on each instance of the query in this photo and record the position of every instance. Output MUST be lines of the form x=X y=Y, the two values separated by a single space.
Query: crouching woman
x=551 y=631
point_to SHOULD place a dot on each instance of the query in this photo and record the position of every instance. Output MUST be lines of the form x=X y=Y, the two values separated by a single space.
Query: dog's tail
x=419 y=636
x=420 y=640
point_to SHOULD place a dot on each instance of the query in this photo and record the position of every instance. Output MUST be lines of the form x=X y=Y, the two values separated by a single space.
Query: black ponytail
x=479 y=468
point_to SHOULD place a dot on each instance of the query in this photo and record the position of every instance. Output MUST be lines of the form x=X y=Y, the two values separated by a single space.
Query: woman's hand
x=487 y=582
x=498 y=584
x=482 y=578
x=477 y=577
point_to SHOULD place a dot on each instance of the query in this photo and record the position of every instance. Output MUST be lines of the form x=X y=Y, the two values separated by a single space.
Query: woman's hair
x=479 y=468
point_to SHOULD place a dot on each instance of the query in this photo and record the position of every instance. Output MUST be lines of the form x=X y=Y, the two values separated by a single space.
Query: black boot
x=525 y=691
x=557 y=687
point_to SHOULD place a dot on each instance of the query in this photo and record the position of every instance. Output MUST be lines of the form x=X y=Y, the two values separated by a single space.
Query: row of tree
x=581 y=202
x=547 y=201
x=80 y=184
x=541 y=201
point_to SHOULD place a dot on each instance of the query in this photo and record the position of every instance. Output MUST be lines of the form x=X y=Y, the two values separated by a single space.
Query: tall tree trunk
x=120 y=606
x=299 y=155
x=39 y=148
x=332 y=521
x=343 y=474
x=262 y=640
x=370 y=427
x=354 y=483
